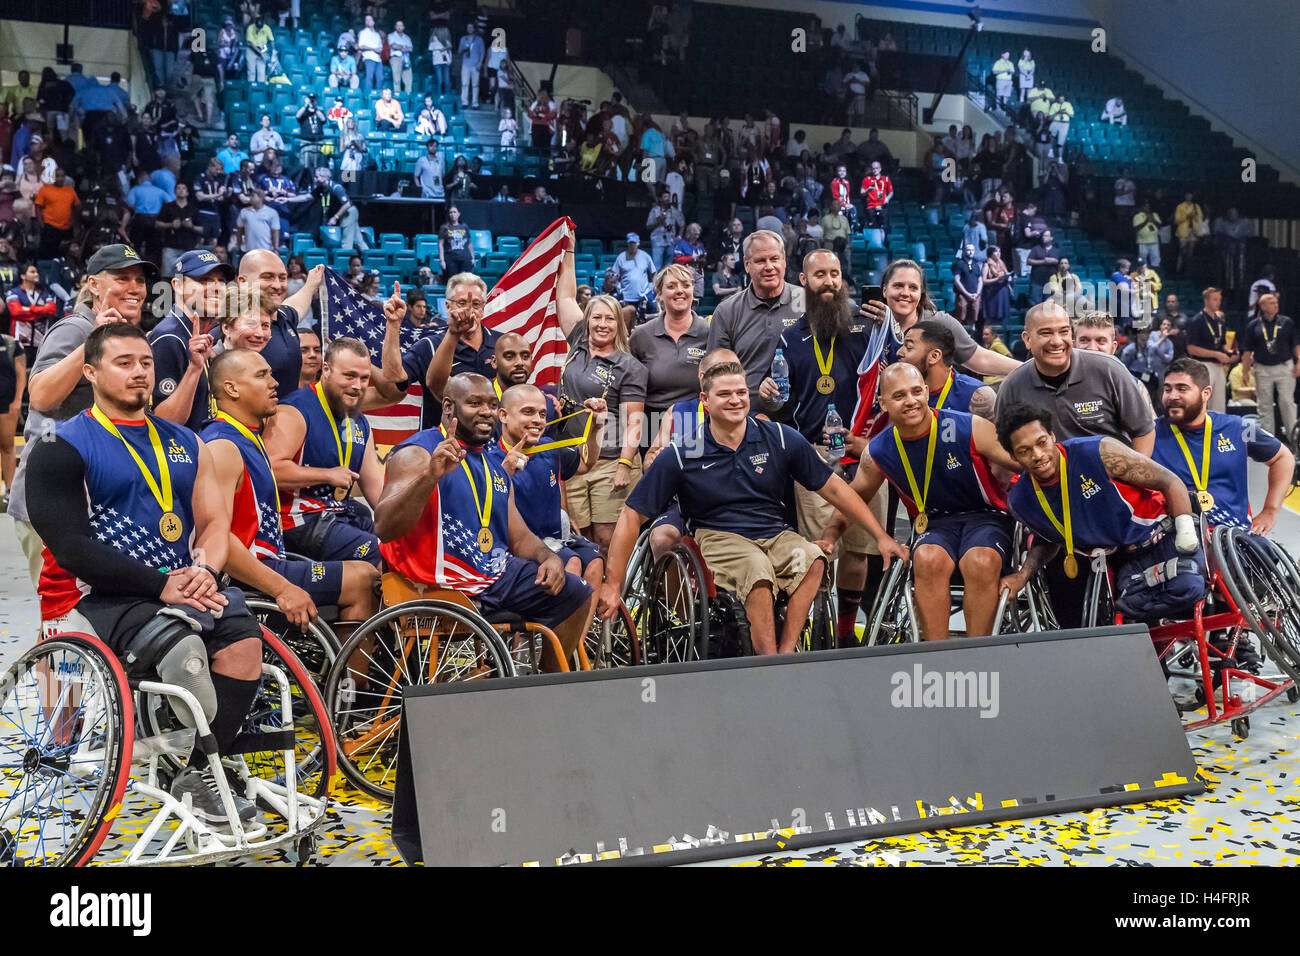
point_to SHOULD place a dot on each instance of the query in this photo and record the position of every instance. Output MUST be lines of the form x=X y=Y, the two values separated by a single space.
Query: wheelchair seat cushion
x=1158 y=582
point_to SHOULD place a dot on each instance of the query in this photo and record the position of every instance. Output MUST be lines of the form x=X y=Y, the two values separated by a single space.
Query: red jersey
x=877 y=189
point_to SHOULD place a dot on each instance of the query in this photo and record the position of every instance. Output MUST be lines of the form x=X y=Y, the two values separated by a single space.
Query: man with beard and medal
x=447 y=517
x=1208 y=451
x=930 y=347
x=1094 y=495
x=942 y=462
x=824 y=349
x=321 y=448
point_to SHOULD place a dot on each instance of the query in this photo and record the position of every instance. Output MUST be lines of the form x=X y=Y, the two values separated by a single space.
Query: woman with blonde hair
x=599 y=365
x=671 y=345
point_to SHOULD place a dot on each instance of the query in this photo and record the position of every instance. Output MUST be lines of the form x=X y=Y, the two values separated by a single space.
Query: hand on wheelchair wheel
x=296 y=605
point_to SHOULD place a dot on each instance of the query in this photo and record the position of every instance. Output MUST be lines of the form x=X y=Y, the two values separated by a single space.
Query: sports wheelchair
x=422 y=635
x=86 y=743
x=1251 y=592
x=681 y=615
x=893 y=618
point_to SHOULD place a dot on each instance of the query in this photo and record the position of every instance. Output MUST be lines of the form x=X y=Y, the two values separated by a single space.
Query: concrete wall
x=574 y=82
x=31 y=46
x=1051 y=17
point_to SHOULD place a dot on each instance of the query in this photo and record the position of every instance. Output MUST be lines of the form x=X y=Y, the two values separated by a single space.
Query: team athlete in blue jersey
x=1208 y=452
x=930 y=347
x=1114 y=499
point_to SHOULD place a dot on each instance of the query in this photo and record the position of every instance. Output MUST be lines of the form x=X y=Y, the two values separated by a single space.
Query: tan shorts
x=591 y=497
x=815 y=514
x=738 y=563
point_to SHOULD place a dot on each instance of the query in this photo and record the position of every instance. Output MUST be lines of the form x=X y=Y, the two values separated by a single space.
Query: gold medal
x=1200 y=479
x=922 y=522
x=825 y=384
x=484 y=508
x=1071 y=566
x=484 y=540
x=341 y=493
x=169 y=526
x=919 y=494
x=1205 y=499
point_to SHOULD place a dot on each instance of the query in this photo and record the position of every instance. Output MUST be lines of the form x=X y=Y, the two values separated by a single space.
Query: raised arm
x=987 y=362
x=300 y=301
x=567 y=310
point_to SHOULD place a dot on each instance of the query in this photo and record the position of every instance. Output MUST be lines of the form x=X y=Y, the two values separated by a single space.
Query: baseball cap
x=117 y=256
x=199 y=262
x=633 y=237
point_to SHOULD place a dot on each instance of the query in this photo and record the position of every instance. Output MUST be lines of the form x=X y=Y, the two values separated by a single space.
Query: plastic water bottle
x=781 y=375
x=833 y=425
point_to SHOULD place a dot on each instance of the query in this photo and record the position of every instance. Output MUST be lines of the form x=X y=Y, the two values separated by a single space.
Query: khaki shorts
x=815 y=513
x=591 y=497
x=738 y=563
x=33 y=549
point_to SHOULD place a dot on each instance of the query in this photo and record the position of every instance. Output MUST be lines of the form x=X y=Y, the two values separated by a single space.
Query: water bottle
x=833 y=425
x=781 y=375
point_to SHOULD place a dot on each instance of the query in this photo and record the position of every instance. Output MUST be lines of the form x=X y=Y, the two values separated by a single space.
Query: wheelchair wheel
x=420 y=642
x=892 y=620
x=623 y=649
x=674 y=619
x=638 y=566
x=315 y=646
x=819 y=633
x=1098 y=603
x=1262 y=580
x=65 y=751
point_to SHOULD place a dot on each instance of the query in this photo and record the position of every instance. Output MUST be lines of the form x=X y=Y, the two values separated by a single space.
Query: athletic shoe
x=1183 y=690
x=201 y=786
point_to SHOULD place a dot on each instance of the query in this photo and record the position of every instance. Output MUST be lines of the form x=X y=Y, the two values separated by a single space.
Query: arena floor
x=1249 y=815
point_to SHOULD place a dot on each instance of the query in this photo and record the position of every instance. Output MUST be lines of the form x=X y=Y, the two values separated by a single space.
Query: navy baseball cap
x=633 y=237
x=199 y=262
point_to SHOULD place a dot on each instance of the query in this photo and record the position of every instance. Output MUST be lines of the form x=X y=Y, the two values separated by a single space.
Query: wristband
x=625 y=461
x=216 y=575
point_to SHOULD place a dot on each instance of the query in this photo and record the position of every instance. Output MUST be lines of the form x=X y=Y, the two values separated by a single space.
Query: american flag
x=886 y=338
x=522 y=301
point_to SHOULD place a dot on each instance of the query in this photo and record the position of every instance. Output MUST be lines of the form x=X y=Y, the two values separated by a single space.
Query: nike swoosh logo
x=709 y=465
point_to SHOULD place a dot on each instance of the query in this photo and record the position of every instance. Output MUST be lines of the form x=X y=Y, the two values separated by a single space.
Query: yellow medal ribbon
x=345 y=451
x=256 y=440
x=919 y=495
x=485 y=509
x=825 y=384
x=699 y=412
x=1202 y=479
x=565 y=442
x=496 y=386
x=947 y=387
x=162 y=488
x=1263 y=330
x=1066 y=530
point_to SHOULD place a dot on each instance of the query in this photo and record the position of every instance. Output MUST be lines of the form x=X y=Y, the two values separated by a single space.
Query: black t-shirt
x=1038 y=275
x=311 y=123
x=146 y=150
x=56 y=95
x=111 y=143
x=1207 y=333
x=456 y=239
x=1272 y=342
x=182 y=238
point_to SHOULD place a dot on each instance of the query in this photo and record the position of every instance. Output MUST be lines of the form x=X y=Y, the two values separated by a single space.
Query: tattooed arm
x=1124 y=464
x=1040 y=553
x=984 y=403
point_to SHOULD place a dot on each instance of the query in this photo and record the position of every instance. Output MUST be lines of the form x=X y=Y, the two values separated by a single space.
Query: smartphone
x=872 y=293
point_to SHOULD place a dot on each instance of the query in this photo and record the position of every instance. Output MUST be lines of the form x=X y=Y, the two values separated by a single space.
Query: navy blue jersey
x=1103 y=513
x=255 y=519
x=807 y=405
x=743 y=491
x=320 y=449
x=170 y=341
x=443 y=546
x=960 y=478
x=961 y=390
x=537 y=485
x=688 y=418
x=282 y=351
x=417 y=360
x=1232 y=442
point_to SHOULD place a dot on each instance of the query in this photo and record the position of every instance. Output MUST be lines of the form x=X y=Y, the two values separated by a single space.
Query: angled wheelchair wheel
x=819 y=632
x=420 y=642
x=674 y=619
x=892 y=619
x=620 y=648
x=1098 y=603
x=66 y=733
x=638 y=567
x=1263 y=582
x=315 y=646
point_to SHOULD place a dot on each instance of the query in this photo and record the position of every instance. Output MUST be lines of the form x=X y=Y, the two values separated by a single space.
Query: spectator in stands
x=388 y=113
x=1231 y=233
x=732 y=239
x=232 y=155
x=264 y=139
x=968 y=286
x=440 y=50
x=542 y=115
x=666 y=224
x=1125 y=196
x=343 y=69
x=368 y=287
x=877 y=192
x=455 y=248
x=995 y=296
x=1146 y=230
x=1189 y=225
x=837 y=232
x=180 y=230
x=471 y=52
x=229 y=51
x=399 y=57
x=429 y=170
x=330 y=200
x=32 y=310
x=143 y=203
x=258 y=225
x=356 y=271
x=370 y=43
x=1261 y=286
x=1146 y=290
x=1146 y=357
x=1060 y=113
x=976 y=235
x=54 y=97
x=1270 y=347
x=1171 y=311
x=431 y=121
x=1170 y=332
x=338 y=113
x=259 y=41
x=1025 y=71
x=633 y=270
x=1044 y=260
x=1004 y=72
x=541 y=197
x=1041 y=99
x=689 y=252
x=311 y=131
x=1064 y=286
x=55 y=204
x=296 y=269
x=16 y=96
x=727 y=279
x=210 y=192
x=1114 y=112
x=460 y=183
x=353 y=146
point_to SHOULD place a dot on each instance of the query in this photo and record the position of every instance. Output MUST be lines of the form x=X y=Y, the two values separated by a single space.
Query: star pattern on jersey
x=268 y=526
x=463 y=543
x=137 y=541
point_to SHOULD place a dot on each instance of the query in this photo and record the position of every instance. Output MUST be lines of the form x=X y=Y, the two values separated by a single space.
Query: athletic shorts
x=738 y=563
x=1158 y=582
x=117 y=619
x=580 y=548
x=351 y=537
x=957 y=534
x=322 y=580
x=517 y=592
x=671 y=518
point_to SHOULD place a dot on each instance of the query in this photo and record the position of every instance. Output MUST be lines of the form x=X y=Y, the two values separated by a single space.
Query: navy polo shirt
x=170 y=341
x=282 y=351
x=807 y=405
x=537 y=485
x=417 y=360
x=742 y=491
